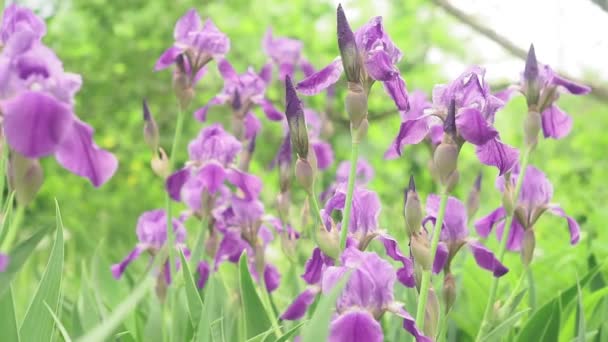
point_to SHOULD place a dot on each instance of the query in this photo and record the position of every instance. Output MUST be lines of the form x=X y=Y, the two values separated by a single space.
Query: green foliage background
x=114 y=45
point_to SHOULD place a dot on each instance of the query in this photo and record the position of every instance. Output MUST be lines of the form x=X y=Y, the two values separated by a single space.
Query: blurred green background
x=114 y=45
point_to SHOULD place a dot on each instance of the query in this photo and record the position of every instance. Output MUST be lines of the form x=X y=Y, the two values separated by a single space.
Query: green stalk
x=13 y=227
x=170 y=233
x=443 y=325
x=354 y=153
x=426 y=274
x=316 y=208
x=198 y=248
x=3 y=170
x=503 y=244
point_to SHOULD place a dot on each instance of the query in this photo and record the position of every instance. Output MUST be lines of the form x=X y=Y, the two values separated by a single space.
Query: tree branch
x=599 y=91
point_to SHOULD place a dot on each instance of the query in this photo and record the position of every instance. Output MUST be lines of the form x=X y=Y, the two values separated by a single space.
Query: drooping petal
x=324 y=154
x=306 y=67
x=201 y=113
x=300 y=305
x=36 y=123
x=203 y=274
x=272 y=277
x=355 y=326
x=455 y=219
x=380 y=66
x=405 y=274
x=485 y=224
x=167 y=58
x=556 y=123
x=441 y=257
x=79 y=154
x=212 y=176
x=473 y=127
x=575 y=229
x=321 y=80
x=486 y=259
x=498 y=154
x=249 y=184
x=175 y=182
x=271 y=112
x=119 y=269
x=411 y=132
x=189 y=22
x=252 y=125
x=571 y=86
x=409 y=324
x=516 y=235
x=227 y=70
x=313 y=270
x=396 y=89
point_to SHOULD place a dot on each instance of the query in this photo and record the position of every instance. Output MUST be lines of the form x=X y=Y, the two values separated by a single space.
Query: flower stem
x=168 y=205
x=354 y=153
x=443 y=326
x=426 y=274
x=11 y=231
x=316 y=208
x=198 y=247
x=485 y=323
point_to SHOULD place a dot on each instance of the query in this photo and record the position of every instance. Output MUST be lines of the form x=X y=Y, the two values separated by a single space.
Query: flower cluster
x=37 y=107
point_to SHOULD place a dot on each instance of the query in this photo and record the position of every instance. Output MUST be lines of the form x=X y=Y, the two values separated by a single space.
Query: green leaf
x=38 y=322
x=212 y=313
x=256 y=319
x=153 y=330
x=504 y=327
x=8 y=323
x=580 y=313
x=195 y=304
x=544 y=324
x=62 y=330
x=290 y=333
x=261 y=337
x=18 y=256
x=317 y=328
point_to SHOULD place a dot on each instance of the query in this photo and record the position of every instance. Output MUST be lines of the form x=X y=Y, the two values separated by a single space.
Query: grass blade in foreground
x=195 y=304
x=255 y=315
x=38 y=322
x=8 y=323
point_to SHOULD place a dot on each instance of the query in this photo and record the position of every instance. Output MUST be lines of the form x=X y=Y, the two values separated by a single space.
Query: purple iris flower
x=534 y=200
x=212 y=154
x=286 y=54
x=36 y=101
x=4 y=260
x=455 y=235
x=379 y=55
x=476 y=107
x=368 y=294
x=152 y=235
x=363 y=175
x=556 y=123
x=418 y=104
x=242 y=92
x=197 y=43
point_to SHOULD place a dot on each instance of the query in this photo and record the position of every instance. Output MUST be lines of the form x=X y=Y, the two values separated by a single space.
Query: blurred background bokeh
x=114 y=45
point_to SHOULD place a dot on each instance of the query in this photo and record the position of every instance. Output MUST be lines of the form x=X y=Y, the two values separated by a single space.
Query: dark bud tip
x=478 y=181
x=251 y=146
x=531 y=68
x=236 y=101
x=449 y=125
x=146 y=110
x=180 y=61
x=295 y=119
x=412 y=185
x=348 y=47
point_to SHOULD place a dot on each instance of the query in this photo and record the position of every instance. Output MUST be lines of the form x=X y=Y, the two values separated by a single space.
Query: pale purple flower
x=475 y=107
x=379 y=55
x=36 y=101
x=368 y=294
x=418 y=104
x=241 y=92
x=286 y=54
x=455 y=235
x=534 y=200
x=197 y=43
x=4 y=260
x=363 y=174
x=20 y=24
x=151 y=233
x=203 y=274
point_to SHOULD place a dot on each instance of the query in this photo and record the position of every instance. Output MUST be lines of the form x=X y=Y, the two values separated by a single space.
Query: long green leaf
x=317 y=328
x=580 y=309
x=62 y=329
x=153 y=331
x=17 y=258
x=38 y=322
x=544 y=324
x=290 y=333
x=504 y=327
x=195 y=304
x=215 y=297
x=256 y=319
x=8 y=323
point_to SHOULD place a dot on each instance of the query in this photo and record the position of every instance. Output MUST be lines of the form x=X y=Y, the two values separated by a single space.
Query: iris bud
x=432 y=314
x=151 y=135
x=412 y=209
x=421 y=250
x=356 y=104
x=527 y=246
x=305 y=174
x=295 y=119
x=348 y=48
x=25 y=177
x=532 y=126
x=445 y=159
x=160 y=164
x=329 y=241
x=449 y=291
x=531 y=84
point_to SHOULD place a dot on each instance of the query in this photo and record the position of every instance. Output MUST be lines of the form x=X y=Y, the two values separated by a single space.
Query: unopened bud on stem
x=412 y=209
x=356 y=104
x=295 y=119
x=531 y=84
x=151 y=135
x=348 y=48
x=182 y=85
x=25 y=177
x=527 y=246
x=421 y=250
x=160 y=164
x=449 y=291
x=305 y=174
